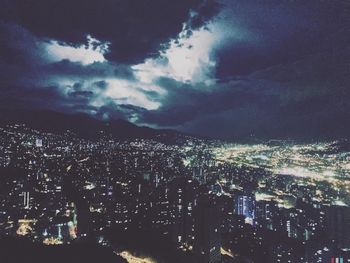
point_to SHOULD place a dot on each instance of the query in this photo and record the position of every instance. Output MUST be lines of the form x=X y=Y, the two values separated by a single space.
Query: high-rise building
x=83 y=220
x=199 y=174
x=26 y=200
x=182 y=198
x=207 y=243
x=245 y=205
x=39 y=142
x=338 y=225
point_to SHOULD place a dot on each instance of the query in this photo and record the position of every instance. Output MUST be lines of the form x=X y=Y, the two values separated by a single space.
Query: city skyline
x=186 y=199
x=175 y=131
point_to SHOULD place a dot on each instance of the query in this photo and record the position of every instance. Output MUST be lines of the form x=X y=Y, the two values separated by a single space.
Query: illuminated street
x=133 y=259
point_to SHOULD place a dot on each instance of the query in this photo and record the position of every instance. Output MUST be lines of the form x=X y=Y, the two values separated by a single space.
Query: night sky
x=228 y=69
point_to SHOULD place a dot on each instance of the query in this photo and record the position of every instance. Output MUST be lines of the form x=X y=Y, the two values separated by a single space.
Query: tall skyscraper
x=338 y=225
x=182 y=198
x=245 y=205
x=26 y=200
x=207 y=241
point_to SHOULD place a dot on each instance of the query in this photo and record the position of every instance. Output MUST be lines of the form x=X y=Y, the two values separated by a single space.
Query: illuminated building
x=26 y=200
x=245 y=205
x=38 y=142
x=183 y=198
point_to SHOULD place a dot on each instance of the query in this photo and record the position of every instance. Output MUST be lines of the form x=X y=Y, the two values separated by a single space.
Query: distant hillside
x=82 y=124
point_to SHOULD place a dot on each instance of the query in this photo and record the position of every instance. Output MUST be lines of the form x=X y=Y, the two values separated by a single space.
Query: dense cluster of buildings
x=58 y=189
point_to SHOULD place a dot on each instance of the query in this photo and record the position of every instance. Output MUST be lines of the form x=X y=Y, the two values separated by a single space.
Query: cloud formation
x=135 y=29
x=228 y=69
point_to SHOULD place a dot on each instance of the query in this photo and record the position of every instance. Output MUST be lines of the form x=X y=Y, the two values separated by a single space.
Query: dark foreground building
x=207 y=242
x=338 y=226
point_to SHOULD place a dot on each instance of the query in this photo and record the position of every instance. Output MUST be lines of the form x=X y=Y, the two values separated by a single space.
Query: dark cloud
x=17 y=46
x=112 y=111
x=184 y=104
x=29 y=79
x=81 y=94
x=135 y=29
x=97 y=69
x=32 y=97
x=51 y=97
x=305 y=99
x=281 y=32
x=101 y=84
x=20 y=53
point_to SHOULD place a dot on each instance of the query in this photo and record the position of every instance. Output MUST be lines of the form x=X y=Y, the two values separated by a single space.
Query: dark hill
x=82 y=124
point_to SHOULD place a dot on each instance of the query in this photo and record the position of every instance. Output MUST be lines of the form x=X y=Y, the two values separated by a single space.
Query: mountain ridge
x=82 y=124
